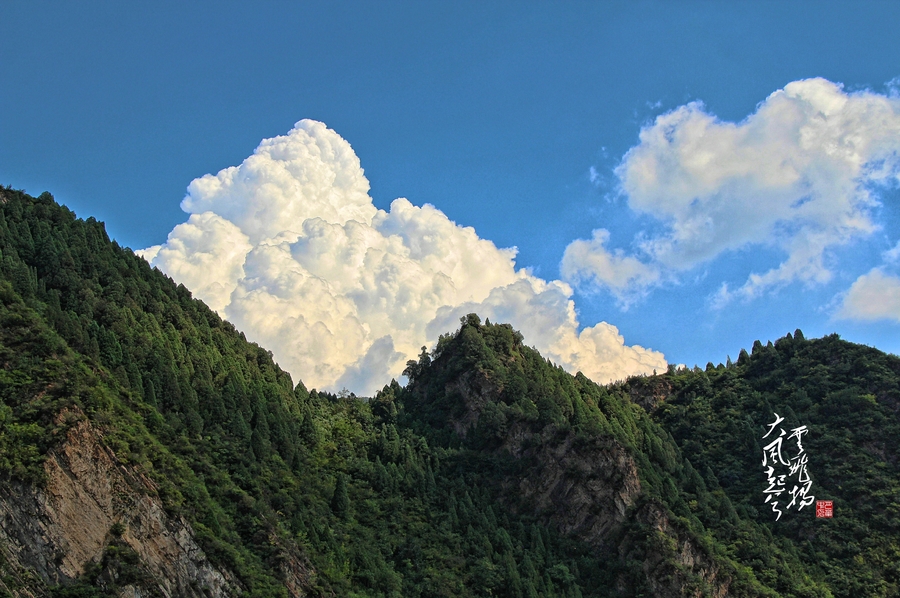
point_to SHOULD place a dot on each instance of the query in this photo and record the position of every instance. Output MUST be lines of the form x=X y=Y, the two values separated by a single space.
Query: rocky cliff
x=93 y=507
x=589 y=488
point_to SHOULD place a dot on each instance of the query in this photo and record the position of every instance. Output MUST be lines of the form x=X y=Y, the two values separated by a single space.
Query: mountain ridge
x=492 y=473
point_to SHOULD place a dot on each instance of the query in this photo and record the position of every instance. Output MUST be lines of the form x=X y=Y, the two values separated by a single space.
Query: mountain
x=148 y=449
x=848 y=397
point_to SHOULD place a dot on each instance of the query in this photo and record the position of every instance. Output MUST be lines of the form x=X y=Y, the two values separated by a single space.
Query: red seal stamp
x=824 y=508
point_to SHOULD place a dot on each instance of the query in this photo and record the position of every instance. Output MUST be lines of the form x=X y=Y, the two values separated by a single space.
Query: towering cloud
x=290 y=248
x=797 y=175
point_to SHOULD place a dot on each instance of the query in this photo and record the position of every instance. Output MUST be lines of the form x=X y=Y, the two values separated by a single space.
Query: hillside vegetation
x=492 y=473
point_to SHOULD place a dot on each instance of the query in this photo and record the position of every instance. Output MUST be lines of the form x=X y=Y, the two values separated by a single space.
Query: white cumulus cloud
x=291 y=249
x=591 y=262
x=217 y=249
x=796 y=175
x=874 y=296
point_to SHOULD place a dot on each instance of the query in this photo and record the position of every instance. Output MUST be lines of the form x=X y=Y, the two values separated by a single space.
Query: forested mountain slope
x=848 y=396
x=146 y=448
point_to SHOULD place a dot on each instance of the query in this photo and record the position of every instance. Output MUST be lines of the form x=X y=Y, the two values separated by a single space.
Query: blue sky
x=516 y=119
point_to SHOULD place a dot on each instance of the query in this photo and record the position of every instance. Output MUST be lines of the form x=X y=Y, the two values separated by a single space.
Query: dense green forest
x=848 y=396
x=492 y=473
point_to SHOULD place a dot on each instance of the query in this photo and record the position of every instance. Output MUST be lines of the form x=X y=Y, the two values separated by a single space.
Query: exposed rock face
x=649 y=392
x=589 y=488
x=675 y=566
x=476 y=390
x=57 y=530
x=584 y=489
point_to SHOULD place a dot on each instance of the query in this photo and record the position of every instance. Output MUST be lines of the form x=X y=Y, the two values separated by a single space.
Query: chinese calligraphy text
x=784 y=473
